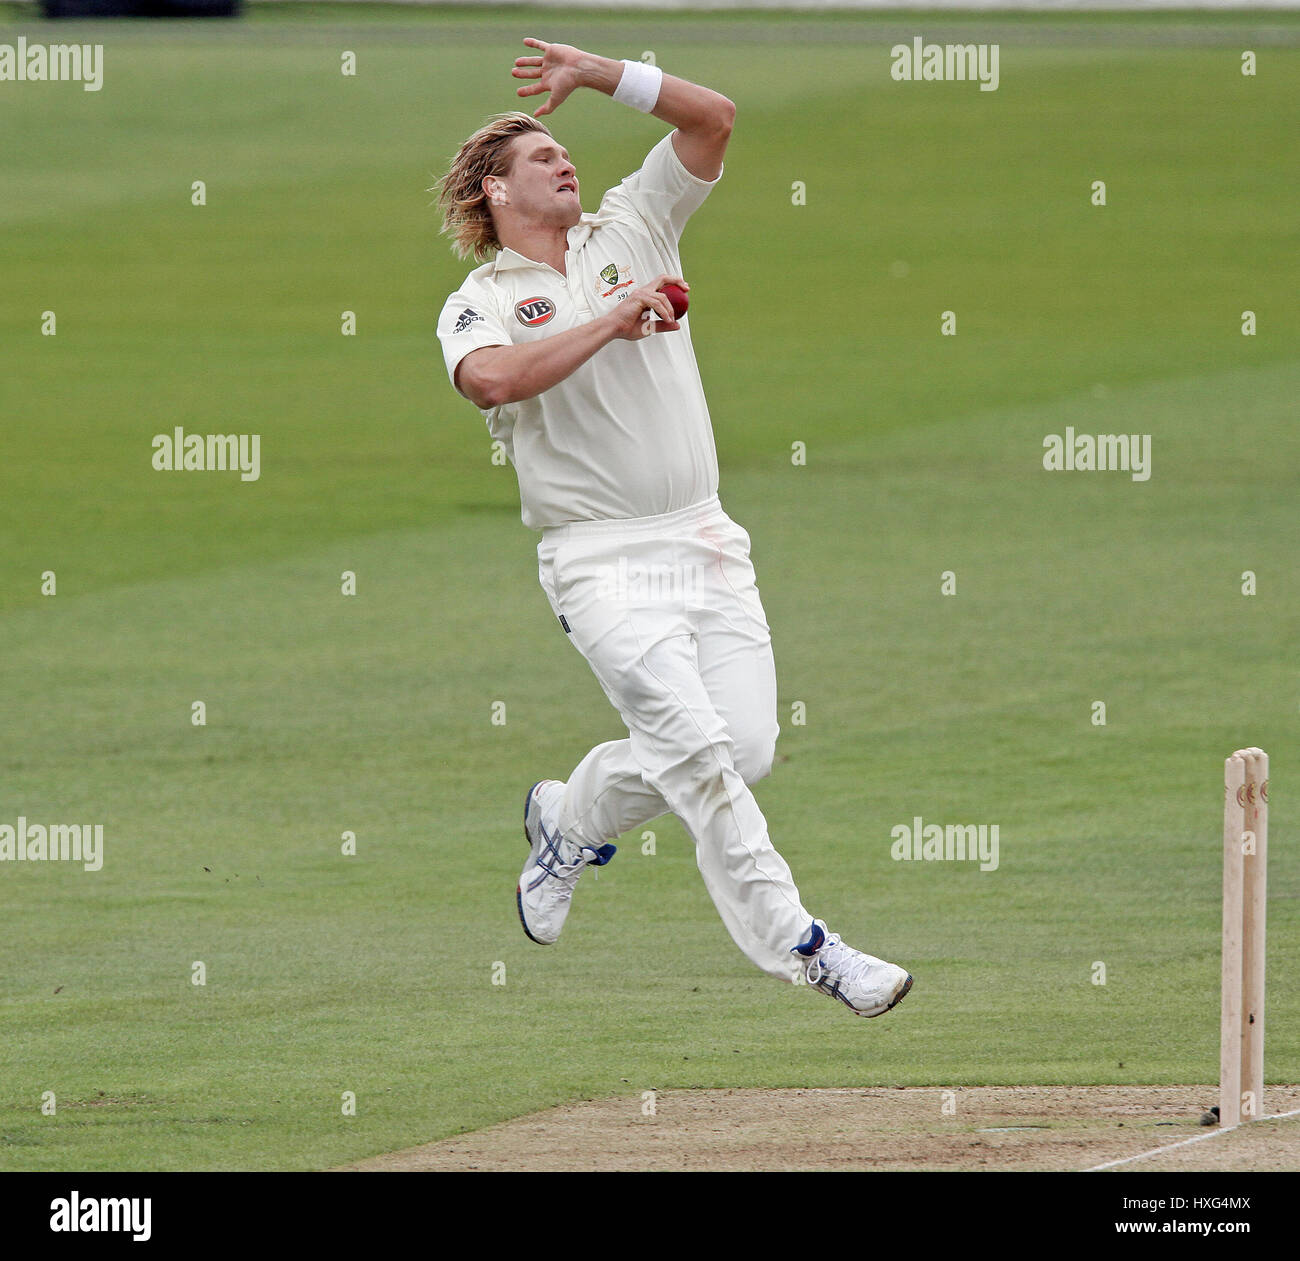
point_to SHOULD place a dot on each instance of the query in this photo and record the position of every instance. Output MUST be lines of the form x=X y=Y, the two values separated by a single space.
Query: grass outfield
x=816 y=324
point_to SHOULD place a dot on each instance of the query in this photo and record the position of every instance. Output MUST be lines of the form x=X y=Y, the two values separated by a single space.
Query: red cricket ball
x=677 y=296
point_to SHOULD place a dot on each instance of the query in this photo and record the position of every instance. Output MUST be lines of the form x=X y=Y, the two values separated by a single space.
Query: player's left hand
x=557 y=71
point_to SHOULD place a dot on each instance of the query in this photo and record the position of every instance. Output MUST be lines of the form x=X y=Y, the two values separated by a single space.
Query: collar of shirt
x=507 y=258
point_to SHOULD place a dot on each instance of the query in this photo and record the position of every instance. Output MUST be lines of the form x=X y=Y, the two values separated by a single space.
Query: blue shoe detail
x=528 y=801
x=816 y=939
x=603 y=855
x=519 y=903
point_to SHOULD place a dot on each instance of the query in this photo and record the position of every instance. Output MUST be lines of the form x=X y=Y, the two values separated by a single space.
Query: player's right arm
x=492 y=376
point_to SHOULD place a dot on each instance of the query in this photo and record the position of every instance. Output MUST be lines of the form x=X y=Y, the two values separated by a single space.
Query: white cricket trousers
x=667 y=613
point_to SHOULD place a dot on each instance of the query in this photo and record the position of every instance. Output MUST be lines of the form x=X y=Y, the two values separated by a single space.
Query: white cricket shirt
x=628 y=433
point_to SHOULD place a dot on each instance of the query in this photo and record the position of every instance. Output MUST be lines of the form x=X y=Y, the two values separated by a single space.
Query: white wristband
x=639 y=86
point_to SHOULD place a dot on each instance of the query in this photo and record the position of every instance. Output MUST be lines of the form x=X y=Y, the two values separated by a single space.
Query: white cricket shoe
x=553 y=867
x=863 y=983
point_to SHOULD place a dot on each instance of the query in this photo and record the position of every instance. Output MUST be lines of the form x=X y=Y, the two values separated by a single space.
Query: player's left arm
x=702 y=117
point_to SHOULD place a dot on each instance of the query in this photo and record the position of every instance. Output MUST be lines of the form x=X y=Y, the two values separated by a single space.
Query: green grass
x=325 y=713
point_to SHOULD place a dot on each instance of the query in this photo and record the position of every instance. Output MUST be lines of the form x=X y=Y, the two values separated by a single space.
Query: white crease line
x=1200 y=1138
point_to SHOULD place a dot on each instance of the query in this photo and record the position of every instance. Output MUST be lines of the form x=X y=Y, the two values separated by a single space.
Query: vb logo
x=533 y=311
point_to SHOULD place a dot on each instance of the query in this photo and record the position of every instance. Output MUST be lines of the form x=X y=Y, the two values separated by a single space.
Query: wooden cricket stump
x=1245 y=869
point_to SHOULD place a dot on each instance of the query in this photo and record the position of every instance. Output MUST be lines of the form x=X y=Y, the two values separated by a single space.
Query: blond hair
x=465 y=214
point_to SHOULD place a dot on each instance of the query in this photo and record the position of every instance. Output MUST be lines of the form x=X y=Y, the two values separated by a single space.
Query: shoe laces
x=842 y=961
x=553 y=863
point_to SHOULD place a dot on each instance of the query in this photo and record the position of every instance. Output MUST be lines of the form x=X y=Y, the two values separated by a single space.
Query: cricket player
x=565 y=343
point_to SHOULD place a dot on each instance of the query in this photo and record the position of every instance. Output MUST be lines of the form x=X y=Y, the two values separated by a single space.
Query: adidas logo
x=467 y=317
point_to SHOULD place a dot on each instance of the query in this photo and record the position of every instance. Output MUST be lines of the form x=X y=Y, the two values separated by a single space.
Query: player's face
x=542 y=182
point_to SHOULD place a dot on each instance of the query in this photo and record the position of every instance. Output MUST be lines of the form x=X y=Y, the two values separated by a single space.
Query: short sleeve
x=467 y=323
x=663 y=192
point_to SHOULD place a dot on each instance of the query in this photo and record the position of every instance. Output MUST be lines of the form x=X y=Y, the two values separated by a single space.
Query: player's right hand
x=635 y=317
